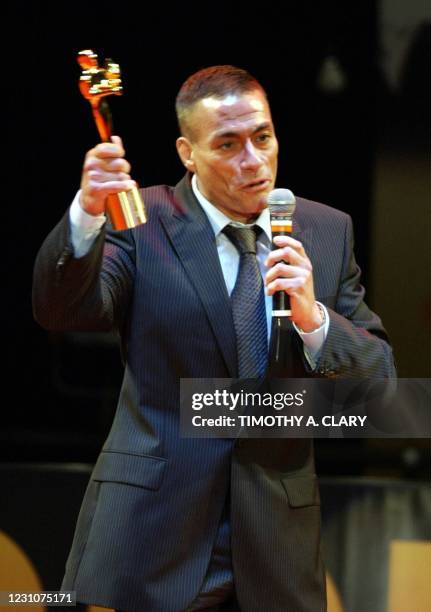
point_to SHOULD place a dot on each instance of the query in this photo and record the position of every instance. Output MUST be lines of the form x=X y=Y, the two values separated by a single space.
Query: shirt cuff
x=84 y=228
x=313 y=341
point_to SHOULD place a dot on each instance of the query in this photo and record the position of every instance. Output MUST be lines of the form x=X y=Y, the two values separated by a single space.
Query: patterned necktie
x=248 y=305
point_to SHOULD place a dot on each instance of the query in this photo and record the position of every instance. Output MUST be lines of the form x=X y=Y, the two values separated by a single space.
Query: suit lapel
x=193 y=239
x=297 y=231
x=301 y=230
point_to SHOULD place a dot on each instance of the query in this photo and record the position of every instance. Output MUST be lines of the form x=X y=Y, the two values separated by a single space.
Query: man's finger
x=282 y=241
x=107 y=149
x=289 y=285
x=288 y=254
x=284 y=271
x=117 y=140
x=96 y=189
x=108 y=165
x=105 y=177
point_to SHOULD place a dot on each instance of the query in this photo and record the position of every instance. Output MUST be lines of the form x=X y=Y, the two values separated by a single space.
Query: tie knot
x=243 y=238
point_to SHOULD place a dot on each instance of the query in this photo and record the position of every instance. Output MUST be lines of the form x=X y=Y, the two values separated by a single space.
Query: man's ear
x=185 y=151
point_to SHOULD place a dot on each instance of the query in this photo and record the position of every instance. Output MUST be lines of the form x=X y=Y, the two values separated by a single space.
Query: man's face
x=233 y=152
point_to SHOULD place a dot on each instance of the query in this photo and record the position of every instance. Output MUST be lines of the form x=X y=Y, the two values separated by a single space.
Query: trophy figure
x=125 y=209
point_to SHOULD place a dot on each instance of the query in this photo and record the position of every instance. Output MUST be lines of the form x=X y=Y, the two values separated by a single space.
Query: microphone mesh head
x=281 y=201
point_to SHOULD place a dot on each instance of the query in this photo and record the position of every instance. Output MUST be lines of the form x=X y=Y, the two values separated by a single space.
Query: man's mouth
x=258 y=185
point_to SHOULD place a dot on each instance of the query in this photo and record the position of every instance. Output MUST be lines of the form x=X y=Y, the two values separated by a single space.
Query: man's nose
x=251 y=159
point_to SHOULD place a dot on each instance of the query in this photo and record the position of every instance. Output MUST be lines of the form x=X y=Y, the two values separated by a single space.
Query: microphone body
x=281 y=203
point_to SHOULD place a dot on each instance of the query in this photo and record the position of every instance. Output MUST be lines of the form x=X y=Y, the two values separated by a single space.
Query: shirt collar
x=219 y=220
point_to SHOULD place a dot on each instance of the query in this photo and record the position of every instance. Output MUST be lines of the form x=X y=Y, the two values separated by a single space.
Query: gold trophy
x=125 y=209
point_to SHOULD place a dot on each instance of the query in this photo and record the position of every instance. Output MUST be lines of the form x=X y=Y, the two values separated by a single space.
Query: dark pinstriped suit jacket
x=150 y=513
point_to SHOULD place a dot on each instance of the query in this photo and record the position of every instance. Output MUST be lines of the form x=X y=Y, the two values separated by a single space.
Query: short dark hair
x=215 y=81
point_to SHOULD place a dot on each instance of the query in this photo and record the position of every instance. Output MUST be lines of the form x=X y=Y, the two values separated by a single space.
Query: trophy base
x=126 y=209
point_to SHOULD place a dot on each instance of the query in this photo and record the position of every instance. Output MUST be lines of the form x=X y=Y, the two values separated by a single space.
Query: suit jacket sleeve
x=91 y=293
x=357 y=344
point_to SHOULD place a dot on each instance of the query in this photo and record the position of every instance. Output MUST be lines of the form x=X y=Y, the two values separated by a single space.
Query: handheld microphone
x=281 y=204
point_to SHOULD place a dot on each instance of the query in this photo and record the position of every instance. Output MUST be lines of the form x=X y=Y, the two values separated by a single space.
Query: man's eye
x=226 y=145
x=263 y=138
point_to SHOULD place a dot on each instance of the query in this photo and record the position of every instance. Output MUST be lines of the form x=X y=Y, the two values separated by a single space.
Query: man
x=168 y=523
